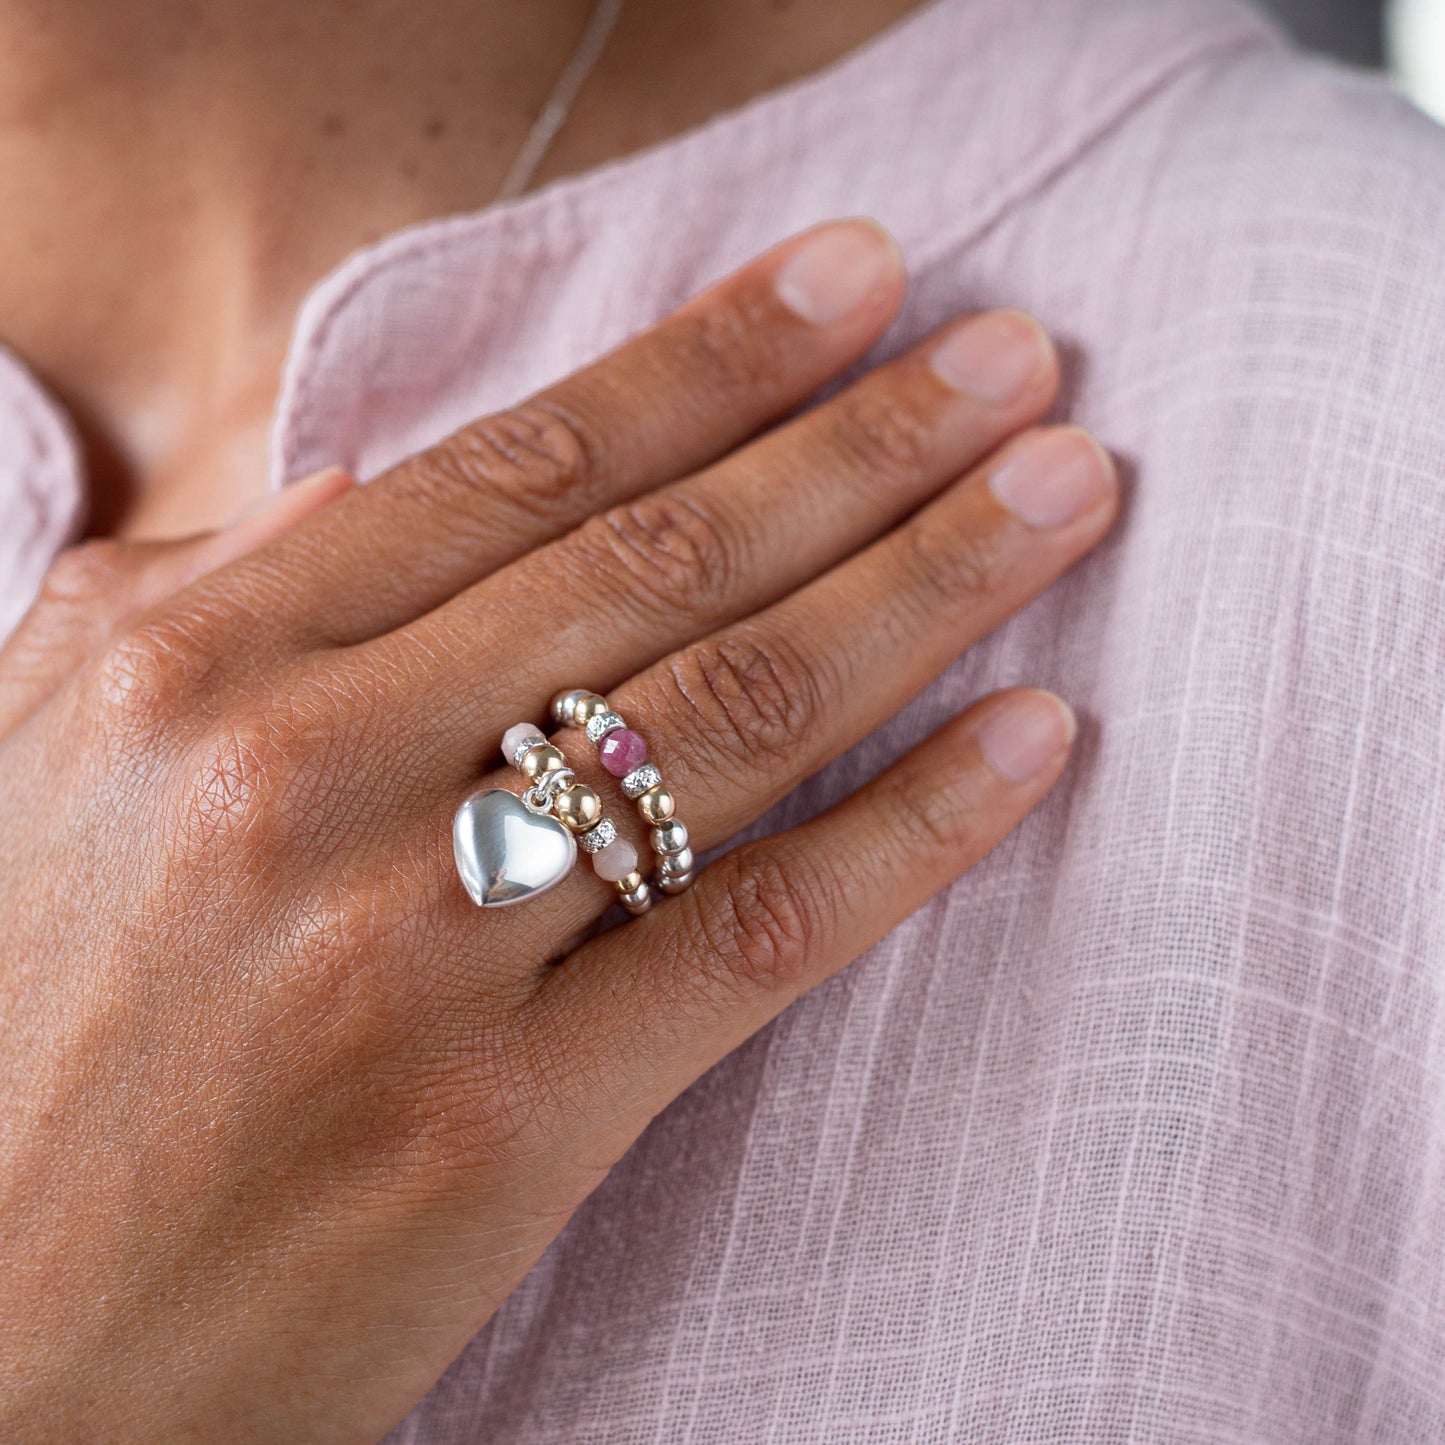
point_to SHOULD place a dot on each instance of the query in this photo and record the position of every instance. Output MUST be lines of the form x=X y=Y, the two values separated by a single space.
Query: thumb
x=96 y=588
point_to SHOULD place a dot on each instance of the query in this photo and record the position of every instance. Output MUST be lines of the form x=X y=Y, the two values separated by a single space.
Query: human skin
x=284 y=1116
x=176 y=174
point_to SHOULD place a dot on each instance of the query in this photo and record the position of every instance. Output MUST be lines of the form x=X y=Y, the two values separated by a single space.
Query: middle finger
x=643 y=579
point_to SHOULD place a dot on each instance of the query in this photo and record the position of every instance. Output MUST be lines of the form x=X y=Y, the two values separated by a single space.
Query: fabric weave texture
x=1137 y=1133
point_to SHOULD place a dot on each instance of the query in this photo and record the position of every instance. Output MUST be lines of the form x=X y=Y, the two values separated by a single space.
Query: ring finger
x=738 y=720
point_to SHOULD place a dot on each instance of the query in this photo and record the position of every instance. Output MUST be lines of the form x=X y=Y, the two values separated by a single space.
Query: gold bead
x=657 y=804
x=630 y=883
x=540 y=761
x=578 y=809
x=638 y=901
x=590 y=707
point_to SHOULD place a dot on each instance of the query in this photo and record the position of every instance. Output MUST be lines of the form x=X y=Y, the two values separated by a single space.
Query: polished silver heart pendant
x=507 y=853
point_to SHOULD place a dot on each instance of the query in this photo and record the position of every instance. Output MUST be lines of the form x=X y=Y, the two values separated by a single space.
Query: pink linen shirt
x=1137 y=1133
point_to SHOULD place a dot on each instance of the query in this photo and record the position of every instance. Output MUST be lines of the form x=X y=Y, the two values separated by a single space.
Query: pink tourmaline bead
x=623 y=751
x=615 y=861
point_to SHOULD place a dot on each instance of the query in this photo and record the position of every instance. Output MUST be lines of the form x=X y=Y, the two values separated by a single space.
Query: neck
x=175 y=174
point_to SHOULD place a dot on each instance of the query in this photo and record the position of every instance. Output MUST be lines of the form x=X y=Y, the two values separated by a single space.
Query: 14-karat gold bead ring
x=511 y=847
x=623 y=753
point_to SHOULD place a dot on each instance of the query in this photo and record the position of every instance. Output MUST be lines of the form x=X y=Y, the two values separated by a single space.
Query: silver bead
x=675 y=883
x=638 y=901
x=677 y=863
x=604 y=723
x=594 y=840
x=564 y=705
x=639 y=780
x=669 y=837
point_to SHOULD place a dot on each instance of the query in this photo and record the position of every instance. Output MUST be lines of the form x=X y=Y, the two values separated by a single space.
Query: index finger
x=738 y=356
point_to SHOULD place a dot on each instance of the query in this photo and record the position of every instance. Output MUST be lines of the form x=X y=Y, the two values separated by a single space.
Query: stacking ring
x=511 y=848
x=623 y=753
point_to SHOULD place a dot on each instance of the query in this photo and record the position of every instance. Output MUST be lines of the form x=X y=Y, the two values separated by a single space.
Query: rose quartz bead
x=615 y=861
x=622 y=751
x=515 y=736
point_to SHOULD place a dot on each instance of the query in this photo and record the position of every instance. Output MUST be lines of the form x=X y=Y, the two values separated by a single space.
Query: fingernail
x=1053 y=478
x=1026 y=734
x=837 y=271
x=993 y=357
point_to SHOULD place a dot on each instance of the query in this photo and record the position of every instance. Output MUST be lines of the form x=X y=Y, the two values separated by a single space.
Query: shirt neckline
x=1093 y=54
x=1085 y=60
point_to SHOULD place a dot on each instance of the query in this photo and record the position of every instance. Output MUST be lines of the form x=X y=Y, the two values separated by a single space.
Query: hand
x=285 y=1116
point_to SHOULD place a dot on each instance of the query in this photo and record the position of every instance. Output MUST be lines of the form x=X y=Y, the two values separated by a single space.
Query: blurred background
x=1407 y=37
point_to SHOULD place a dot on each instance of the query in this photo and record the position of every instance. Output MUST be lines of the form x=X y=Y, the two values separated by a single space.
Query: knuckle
x=154 y=676
x=535 y=457
x=950 y=564
x=666 y=551
x=764 y=926
x=251 y=792
x=941 y=819
x=732 y=345
x=235 y=782
x=747 y=697
x=84 y=577
x=881 y=433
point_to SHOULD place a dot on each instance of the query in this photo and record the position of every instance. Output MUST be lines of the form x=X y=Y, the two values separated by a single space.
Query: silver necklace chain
x=555 y=110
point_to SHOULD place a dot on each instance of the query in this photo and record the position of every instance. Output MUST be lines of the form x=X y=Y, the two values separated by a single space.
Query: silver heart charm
x=505 y=852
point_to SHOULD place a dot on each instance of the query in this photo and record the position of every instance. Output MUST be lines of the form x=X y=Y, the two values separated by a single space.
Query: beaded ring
x=623 y=753
x=578 y=808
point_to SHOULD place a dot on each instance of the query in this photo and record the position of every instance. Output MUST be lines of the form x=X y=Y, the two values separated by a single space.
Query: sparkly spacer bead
x=520 y=738
x=538 y=761
x=635 y=784
x=596 y=839
x=615 y=862
x=590 y=706
x=675 y=864
x=669 y=837
x=564 y=705
x=602 y=724
x=657 y=804
x=623 y=752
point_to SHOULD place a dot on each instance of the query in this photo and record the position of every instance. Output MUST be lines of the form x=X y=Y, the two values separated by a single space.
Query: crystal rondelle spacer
x=604 y=723
x=596 y=839
x=635 y=784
